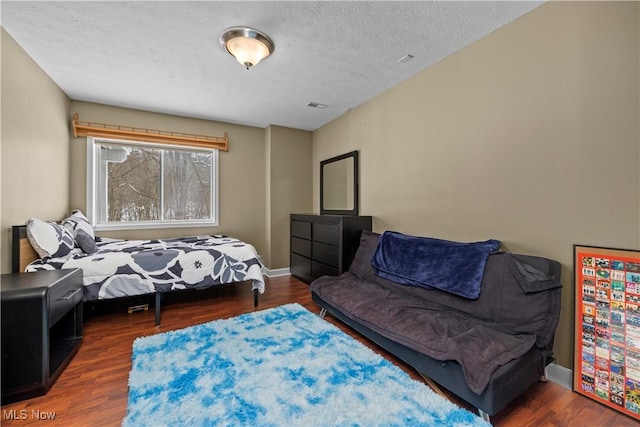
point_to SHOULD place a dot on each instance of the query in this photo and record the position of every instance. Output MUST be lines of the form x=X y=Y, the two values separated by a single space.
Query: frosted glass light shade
x=247 y=45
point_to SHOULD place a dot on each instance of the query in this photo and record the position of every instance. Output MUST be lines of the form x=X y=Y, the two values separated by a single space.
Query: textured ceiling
x=165 y=56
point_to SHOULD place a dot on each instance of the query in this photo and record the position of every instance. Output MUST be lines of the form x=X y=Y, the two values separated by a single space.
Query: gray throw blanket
x=518 y=308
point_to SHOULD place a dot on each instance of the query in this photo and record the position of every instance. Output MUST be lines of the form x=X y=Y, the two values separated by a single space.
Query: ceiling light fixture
x=249 y=46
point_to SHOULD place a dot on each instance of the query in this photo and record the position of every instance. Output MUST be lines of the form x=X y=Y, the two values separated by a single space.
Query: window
x=145 y=185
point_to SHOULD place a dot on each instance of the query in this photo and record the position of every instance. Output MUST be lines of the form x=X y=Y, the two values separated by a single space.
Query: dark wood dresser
x=41 y=329
x=324 y=244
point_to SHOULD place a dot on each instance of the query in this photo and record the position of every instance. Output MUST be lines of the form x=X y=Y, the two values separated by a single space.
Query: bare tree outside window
x=133 y=186
x=187 y=185
x=148 y=183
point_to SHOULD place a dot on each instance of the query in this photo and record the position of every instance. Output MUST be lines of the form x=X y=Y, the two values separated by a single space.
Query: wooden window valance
x=148 y=135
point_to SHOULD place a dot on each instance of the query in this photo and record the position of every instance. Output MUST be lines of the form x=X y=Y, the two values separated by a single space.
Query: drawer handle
x=68 y=297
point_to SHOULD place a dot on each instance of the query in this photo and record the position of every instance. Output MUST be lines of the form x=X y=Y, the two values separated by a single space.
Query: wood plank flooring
x=92 y=391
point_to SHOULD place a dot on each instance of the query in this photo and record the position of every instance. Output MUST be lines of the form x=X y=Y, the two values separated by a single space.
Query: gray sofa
x=487 y=351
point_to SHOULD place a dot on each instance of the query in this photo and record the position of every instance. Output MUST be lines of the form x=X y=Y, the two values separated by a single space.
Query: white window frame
x=92 y=191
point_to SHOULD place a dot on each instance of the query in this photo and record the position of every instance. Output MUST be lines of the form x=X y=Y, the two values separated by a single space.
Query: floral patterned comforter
x=134 y=267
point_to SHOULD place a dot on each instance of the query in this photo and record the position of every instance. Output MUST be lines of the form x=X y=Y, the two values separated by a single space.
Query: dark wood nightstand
x=41 y=329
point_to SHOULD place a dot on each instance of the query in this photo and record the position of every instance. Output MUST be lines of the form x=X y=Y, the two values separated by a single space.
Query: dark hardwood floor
x=92 y=391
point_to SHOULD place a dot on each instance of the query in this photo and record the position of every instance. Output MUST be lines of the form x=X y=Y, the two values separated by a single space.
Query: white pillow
x=49 y=239
x=82 y=231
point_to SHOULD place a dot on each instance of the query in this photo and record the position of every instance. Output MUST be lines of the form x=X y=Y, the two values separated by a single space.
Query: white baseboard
x=276 y=272
x=560 y=375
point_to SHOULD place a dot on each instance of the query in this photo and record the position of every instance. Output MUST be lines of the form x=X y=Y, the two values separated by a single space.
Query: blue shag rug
x=278 y=367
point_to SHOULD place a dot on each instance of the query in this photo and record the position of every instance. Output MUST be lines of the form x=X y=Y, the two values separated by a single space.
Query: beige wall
x=290 y=186
x=241 y=174
x=530 y=136
x=35 y=144
x=258 y=188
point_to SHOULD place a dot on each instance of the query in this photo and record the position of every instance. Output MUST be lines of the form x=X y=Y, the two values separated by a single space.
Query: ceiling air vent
x=406 y=58
x=317 y=105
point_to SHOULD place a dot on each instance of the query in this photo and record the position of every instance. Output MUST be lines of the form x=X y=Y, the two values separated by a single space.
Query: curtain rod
x=149 y=135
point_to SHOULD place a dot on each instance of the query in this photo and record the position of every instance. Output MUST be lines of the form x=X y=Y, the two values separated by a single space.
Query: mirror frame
x=323 y=163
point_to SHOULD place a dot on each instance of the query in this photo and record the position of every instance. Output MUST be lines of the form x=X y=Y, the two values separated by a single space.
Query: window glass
x=134 y=185
x=187 y=185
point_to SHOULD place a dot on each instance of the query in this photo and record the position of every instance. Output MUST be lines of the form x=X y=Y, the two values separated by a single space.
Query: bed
x=128 y=268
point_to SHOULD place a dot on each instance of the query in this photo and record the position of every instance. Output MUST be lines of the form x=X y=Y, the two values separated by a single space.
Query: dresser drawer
x=301 y=229
x=327 y=254
x=319 y=269
x=300 y=265
x=63 y=297
x=326 y=233
x=321 y=245
x=301 y=246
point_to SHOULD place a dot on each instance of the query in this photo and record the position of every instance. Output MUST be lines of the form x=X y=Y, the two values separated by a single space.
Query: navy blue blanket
x=433 y=263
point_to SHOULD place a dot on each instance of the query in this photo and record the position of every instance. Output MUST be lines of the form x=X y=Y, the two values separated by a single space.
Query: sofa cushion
x=424 y=326
x=361 y=265
x=502 y=302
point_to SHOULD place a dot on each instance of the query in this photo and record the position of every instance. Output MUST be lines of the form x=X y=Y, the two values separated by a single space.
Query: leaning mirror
x=339 y=185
